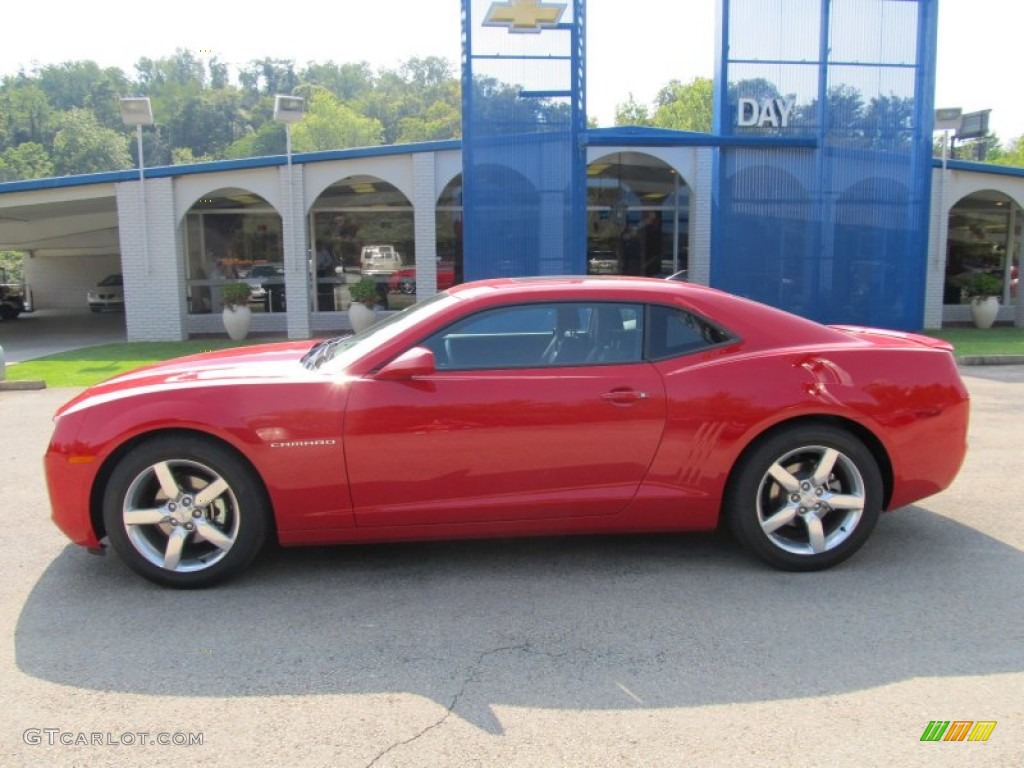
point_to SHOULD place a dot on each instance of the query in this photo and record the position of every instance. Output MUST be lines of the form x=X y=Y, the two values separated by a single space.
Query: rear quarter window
x=673 y=332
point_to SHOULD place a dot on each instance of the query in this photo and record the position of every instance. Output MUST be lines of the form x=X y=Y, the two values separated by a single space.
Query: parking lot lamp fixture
x=137 y=111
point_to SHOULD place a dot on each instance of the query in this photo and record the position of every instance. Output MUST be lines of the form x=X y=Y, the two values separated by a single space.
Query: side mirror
x=418 y=361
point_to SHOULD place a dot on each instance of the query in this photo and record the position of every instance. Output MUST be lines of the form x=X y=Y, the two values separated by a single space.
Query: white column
x=700 y=218
x=296 y=251
x=938 y=230
x=424 y=204
x=152 y=262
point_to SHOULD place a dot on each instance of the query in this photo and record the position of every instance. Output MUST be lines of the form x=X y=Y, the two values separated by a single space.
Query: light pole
x=288 y=110
x=138 y=111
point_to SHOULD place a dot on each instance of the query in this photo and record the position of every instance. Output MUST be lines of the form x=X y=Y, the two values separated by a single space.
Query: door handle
x=624 y=396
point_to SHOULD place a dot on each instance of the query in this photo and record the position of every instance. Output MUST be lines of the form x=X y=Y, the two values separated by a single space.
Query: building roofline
x=266 y=161
x=976 y=167
x=638 y=136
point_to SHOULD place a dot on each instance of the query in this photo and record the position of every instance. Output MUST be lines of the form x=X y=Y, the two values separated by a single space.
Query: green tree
x=631 y=113
x=83 y=85
x=349 y=82
x=13 y=263
x=182 y=156
x=182 y=70
x=440 y=121
x=219 y=75
x=987 y=149
x=329 y=124
x=678 y=106
x=268 y=139
x=429 y=76
x=82 y=145
x=208 y=122
x=685 y=107
x=269 y=76
x=25 y=111
x=25 y=161
x=407 y=93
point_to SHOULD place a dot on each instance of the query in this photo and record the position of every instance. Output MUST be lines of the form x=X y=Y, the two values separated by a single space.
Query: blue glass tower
x=838 y=233
x=524 y=116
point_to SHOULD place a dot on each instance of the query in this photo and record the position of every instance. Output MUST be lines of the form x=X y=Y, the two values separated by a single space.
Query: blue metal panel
x=839 y=234
x=524 y=116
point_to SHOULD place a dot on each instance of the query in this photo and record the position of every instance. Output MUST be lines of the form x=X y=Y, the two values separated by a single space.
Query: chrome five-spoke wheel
x=184 y=512
x=805 y=498
x=181 y=515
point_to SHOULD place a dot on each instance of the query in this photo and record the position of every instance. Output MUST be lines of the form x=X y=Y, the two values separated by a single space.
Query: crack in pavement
x=467 y=679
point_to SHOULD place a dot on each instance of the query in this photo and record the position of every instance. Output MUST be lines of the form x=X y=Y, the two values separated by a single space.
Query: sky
x=633 y=46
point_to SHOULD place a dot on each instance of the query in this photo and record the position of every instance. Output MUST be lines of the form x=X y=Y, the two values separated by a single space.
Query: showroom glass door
x=638 y=217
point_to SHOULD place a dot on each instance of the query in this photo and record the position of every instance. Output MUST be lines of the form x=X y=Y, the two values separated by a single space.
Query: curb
x=21 y=386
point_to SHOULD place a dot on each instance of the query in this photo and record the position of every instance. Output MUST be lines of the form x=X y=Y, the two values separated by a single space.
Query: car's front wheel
x=805 y=498
x=185 y=512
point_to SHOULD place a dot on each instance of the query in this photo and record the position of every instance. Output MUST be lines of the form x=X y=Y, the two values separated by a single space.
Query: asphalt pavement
x=48 y=331
x=667 y=650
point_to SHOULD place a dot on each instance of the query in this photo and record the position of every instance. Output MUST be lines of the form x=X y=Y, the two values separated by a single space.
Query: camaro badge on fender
x=302 y=443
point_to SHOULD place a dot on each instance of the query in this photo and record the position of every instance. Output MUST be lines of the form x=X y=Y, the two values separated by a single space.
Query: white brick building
x=79 y=229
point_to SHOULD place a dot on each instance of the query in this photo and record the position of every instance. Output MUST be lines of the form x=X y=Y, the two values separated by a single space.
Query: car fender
x=718 y=405
x=296 y=451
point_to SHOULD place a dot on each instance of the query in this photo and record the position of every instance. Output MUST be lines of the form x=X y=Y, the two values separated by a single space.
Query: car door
x=531 y=414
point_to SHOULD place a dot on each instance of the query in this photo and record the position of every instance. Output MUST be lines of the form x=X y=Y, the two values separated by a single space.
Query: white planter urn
x=984 y=311
x=361 y=316
x=236 y=321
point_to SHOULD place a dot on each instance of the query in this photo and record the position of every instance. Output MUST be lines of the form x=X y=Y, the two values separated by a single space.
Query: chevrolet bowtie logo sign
x=524 y=15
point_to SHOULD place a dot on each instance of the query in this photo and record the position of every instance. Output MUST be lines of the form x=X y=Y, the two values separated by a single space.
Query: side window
x=675 y=332
x=616 y=334
x=542 y=335
x=508 y=337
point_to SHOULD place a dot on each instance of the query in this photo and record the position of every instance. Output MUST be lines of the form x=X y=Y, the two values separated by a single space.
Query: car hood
x=262 y=364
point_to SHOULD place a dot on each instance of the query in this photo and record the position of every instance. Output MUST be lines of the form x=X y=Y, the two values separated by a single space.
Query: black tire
x=236 y=520
x=805 y=498
x=8 y=312
x=407 y=286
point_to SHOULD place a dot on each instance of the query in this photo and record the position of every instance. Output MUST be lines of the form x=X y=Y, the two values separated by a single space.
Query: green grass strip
x=90 y=365
x=969 y=342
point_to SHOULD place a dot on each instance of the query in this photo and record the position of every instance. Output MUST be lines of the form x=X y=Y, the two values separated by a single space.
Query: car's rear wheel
x=185 y=512
x=805 y=498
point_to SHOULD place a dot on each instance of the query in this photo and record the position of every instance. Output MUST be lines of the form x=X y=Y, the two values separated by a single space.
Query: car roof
x=748 y=318
x=642 y=287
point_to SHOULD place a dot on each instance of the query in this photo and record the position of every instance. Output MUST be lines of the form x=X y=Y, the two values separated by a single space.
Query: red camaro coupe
x=510 y=408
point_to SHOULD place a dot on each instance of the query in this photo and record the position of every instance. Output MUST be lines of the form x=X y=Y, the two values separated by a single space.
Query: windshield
x=338 y=353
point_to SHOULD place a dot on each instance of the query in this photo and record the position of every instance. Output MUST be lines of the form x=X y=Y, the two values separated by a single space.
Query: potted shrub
x=236 y=313
x=361 y=310
x=983 y=290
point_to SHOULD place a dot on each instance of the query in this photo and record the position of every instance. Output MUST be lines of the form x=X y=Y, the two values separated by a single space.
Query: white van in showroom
x=379 y=260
